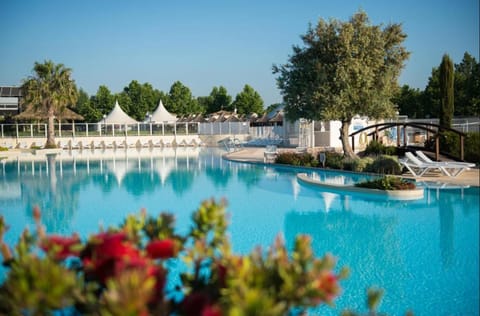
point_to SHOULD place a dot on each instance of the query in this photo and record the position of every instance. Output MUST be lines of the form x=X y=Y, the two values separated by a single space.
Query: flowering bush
x=387 y=183
x=124 y=271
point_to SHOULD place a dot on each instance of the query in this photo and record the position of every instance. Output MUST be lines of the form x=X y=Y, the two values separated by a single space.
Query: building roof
x=31 y=114
x=11 y=91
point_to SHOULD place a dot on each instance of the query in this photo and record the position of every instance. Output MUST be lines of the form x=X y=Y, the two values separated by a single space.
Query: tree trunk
x=347 y=149
x=50 y=130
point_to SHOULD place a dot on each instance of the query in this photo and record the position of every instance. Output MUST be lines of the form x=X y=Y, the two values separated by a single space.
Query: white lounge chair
x=147 y=144
x=86 y=145
x=193 y=143
x=108 y=144
x=159 y=143
x=418 y=168
x=133 y=144
x=183 y=143
x=98 y=144
x=64 y=144
x=427 y=159
x=270 y=153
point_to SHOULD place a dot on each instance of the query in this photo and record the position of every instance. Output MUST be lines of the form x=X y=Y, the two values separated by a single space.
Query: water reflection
x=55 y=182
x=404 y=246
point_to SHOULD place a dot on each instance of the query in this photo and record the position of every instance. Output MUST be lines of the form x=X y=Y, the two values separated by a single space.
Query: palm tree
x=49 y=91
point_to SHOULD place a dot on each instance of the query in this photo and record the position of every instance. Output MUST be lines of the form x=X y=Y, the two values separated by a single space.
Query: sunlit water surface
x=424 y=253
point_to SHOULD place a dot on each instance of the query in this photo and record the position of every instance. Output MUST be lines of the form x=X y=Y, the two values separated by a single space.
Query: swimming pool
x=424 y=253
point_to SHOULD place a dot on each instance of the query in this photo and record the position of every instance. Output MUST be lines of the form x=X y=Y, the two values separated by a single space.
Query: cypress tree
x=446 y=91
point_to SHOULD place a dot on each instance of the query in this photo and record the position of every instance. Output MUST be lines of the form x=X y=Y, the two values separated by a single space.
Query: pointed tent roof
x=162 y=115
x=117 y=116
x=165 y=168
x=120 y=169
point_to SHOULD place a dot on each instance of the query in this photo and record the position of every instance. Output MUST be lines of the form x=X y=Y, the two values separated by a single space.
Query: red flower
x=161 y=249
x=62 y=247
x=211 y=310
x=195 y=303
x=327 y=283
x=160 y=275
x=108 y=254
x=222 y=275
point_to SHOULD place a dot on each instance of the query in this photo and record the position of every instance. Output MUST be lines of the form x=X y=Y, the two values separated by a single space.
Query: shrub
x=387 y=183
x=50 y=146
x=334 y=160
x=472 y=145
x=3 y=148
x=348 y=163
x=123 y=271
x=450 y=144
x=360 y=165
x=308 y=160
x=287 y=158
x=375 y=148
x=297 y=159
x=385 y=164
x=356 y=164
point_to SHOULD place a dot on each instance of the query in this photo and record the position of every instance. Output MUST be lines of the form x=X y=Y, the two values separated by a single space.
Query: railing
x=98 y=129
x=220 y=128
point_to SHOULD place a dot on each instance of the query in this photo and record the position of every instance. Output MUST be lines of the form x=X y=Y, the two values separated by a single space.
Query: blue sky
x=210 y=43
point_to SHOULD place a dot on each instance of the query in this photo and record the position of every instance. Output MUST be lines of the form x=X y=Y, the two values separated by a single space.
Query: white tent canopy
x=117 y=116
x=162 y=115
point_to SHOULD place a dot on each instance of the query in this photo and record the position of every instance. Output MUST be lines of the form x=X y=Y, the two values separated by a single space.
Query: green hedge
x=297 y=159
x=385 y=164
x=387 y=183
x=377 y=148
x=450 y=144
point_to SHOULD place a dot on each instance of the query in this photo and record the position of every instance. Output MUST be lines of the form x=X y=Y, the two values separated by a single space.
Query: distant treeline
x=138 y=100
x=426 y=103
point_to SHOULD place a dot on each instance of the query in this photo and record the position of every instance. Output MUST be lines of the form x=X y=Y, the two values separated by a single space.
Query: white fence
x=220 y=128
x=98 y=129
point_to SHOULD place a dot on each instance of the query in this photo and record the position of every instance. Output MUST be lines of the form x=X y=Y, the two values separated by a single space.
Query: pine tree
x=446 y=92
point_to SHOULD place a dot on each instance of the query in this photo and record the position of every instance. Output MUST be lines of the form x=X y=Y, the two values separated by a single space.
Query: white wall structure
x=327 y=134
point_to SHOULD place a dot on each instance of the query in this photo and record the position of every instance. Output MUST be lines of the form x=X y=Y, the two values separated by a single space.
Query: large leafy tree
x=248 y=101
x=85 y=108
x=50 y=90
x=431 y=95
x=467 y=87
x=343 y=69
x=103 y=101
x=409 y=102
x=219 y=99
x=446 y=92
x=181 y=101
x=204 y=103
x=139 y=99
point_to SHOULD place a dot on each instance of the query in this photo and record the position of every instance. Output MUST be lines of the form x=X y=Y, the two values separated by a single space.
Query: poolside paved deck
x=470 y=177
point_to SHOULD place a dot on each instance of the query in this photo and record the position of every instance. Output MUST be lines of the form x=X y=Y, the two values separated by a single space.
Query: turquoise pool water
x=424 y=253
